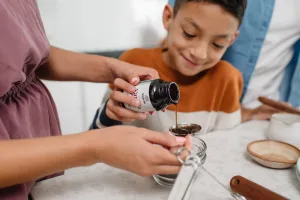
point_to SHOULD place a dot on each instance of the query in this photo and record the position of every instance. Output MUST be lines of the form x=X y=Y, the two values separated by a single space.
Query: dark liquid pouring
x=176 y=116
x=183 y=130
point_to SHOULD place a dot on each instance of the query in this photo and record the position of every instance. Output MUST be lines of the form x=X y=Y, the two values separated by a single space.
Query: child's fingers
x=115 y=110
x=113 y=116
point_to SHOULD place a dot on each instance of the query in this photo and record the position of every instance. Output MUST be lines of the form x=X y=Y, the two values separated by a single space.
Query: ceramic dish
x=298 y=169
x=273 y=154
x=285 y=127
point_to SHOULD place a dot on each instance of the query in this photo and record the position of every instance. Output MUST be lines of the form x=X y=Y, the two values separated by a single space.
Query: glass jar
x=199 y=149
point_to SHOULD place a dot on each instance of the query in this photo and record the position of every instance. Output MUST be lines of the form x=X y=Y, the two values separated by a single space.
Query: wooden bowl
x=273 y=154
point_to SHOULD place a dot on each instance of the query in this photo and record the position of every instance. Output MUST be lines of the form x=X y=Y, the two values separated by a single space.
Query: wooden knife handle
x=279 y=105
x=252 y=190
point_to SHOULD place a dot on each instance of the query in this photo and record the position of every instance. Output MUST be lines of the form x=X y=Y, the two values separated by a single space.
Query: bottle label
x=141 y=93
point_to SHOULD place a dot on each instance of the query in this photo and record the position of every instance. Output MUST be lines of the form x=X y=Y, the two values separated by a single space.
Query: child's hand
x=115 y=111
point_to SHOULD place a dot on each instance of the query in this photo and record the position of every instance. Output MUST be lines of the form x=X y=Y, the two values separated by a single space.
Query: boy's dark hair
x=235 y=7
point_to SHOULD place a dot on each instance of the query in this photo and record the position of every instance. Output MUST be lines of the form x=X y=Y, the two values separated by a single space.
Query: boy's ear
x=236 y=34
x=167 y=16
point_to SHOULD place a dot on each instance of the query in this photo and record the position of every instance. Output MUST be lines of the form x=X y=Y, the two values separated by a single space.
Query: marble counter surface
x=226 y=157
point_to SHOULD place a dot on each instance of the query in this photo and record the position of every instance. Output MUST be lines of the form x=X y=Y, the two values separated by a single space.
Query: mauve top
x=26 y=108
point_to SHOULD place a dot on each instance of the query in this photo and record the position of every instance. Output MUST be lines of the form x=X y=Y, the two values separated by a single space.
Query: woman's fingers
x=164 y=139
x=166 y=169
x=123 y=85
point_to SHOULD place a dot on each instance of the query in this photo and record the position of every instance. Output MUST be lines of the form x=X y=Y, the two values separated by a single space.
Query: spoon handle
x=252 y=190
x=279 y=105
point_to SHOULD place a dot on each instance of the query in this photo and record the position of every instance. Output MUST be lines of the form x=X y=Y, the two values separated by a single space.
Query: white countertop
x=226 y=157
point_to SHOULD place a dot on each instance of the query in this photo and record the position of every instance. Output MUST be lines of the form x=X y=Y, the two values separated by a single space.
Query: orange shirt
x=211 y=99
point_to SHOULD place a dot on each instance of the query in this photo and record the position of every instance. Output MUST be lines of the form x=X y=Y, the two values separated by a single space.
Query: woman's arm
x=30 y=159
x=71 y=66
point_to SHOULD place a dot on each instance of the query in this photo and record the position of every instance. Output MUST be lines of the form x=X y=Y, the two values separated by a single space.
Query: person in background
x=271 y=65
x=31 y=146
x=267 y=53
x=199 y=32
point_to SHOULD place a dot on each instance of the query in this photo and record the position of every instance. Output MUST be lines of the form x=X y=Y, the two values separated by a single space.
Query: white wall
x=96 y=26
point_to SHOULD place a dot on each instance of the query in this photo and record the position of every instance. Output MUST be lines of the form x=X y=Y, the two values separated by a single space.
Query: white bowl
x=298 y=169
x=273 y=154
x=285 y=127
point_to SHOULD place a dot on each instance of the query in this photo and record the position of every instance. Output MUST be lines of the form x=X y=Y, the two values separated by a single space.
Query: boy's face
x=198 y=36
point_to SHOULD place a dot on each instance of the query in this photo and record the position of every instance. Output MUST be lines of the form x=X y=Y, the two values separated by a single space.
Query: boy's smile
x=198 y=36
x=190 y=62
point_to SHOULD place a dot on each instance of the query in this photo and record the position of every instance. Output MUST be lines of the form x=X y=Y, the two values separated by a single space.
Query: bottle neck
x=170 y=91
x=166 y=93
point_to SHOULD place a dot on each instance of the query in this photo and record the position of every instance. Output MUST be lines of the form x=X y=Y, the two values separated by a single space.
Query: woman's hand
x=127 y=76
x=131 y=73
x=115 y=111
x=133 y=149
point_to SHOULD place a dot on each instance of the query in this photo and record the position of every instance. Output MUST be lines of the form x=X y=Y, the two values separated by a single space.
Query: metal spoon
x=237 y=196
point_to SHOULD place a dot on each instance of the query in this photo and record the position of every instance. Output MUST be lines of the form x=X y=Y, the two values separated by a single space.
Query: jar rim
x=200 y=145
x=196 y=128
